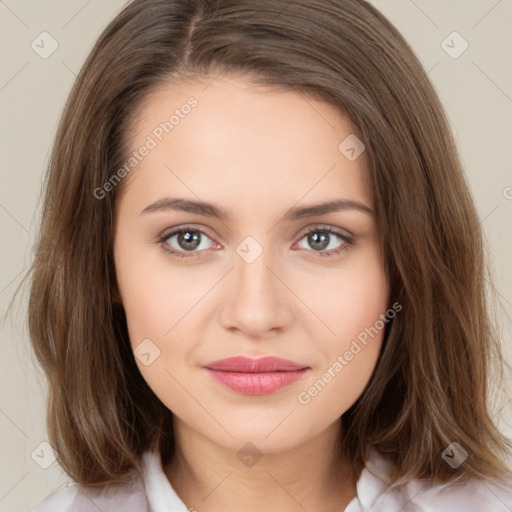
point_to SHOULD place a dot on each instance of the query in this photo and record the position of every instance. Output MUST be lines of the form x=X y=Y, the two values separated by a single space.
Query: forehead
x=234 y=138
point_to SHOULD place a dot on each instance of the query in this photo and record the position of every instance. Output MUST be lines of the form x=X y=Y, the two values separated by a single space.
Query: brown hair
x=430 y=385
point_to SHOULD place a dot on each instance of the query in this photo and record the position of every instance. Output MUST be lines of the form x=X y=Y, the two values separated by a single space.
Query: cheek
x=351 y=298
x=359 y=303
x=155 y=295
x=156 y=300
x=350 y=304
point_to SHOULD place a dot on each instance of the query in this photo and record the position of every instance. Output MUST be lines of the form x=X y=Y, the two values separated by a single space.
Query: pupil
x=185 y=238
x=319 y=242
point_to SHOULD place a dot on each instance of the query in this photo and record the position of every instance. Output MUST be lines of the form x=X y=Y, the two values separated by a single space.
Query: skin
x=256 y=152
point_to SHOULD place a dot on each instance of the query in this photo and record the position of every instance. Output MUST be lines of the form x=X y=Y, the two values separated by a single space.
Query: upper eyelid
x=327 y=227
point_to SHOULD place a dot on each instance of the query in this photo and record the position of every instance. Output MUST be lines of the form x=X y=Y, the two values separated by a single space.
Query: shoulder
x=59 y=501
x=129 y=497
x=473 y=496
x=376 y=490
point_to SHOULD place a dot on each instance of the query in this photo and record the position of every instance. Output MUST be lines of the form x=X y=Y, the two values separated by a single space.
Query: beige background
x=476 y=89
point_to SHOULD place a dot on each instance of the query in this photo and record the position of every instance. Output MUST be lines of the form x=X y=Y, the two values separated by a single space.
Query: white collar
x=161 y=496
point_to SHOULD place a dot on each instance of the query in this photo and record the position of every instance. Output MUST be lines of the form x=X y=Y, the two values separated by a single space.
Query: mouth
x=256 y=376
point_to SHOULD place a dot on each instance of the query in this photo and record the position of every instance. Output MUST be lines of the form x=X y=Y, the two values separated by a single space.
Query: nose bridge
x=253 y=277
x=255 y=282
x=256 y=301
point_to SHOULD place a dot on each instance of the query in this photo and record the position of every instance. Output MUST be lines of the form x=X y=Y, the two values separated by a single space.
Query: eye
x=187 y=242
x=322 y=238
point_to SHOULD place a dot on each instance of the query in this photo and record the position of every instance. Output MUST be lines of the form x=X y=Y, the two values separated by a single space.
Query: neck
x=312 y=476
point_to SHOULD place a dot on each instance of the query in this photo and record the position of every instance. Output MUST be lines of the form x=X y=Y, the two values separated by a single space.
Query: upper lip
x=249 y=365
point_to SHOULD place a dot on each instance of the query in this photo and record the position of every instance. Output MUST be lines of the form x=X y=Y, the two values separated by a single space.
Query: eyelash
x=348 y=241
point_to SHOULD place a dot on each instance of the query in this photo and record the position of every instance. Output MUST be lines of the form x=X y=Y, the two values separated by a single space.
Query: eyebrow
x=211 y=210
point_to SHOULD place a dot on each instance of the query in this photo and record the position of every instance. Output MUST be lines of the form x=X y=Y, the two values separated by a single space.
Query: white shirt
x=151 y=491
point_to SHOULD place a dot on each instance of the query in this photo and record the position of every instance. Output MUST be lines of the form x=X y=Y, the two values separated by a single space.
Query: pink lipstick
x=255 y=376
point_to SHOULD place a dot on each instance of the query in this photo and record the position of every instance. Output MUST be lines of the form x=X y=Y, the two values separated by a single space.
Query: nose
x=256 y=300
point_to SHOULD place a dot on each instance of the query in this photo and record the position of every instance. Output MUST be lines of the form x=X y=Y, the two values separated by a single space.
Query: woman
x=259 y=282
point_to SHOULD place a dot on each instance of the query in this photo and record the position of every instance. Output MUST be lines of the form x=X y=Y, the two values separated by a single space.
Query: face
x=243 y=266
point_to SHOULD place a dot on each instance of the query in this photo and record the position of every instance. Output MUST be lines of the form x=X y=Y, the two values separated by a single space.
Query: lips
x=255 y=376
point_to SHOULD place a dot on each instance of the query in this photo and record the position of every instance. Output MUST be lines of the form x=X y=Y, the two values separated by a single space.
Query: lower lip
x=256 y=383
